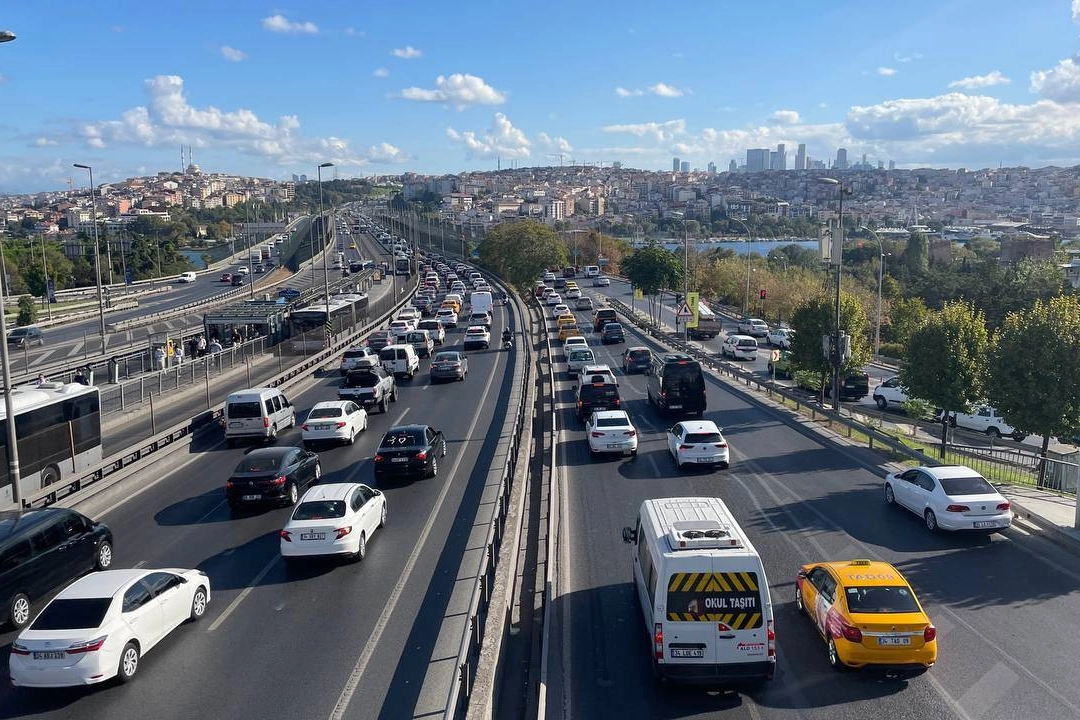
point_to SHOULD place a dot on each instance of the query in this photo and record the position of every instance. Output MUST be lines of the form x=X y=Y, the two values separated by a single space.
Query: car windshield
x=703 y=437
x=319 y=510
x=974 y=485
x=251 y=409
x=402 y=438
x=611 y=422
x=72 y=614
x=324 y=412
x=881 y=599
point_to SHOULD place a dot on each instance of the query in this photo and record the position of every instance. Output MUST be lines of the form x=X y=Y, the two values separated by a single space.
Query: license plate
x=687 y=652
x=612 y=446
x=985 y=523
x=251 y=497
x=236 y=424
x=705 y=460
x=675 y=407
x=399 y=459
x=49 y=655
x=894 y=640
x=313 y=536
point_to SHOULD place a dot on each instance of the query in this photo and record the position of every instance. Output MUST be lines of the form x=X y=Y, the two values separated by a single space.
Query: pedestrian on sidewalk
x=159 y=358
x=215 y=346
x=178 y=353
x=80 y=377
x=200 y=347
x=41 y=379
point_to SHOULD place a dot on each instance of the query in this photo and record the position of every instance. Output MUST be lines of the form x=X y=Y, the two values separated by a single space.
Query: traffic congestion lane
x=271 y=631
x=800 y=500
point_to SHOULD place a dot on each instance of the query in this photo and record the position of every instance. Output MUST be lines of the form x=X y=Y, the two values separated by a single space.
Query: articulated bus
x=58 y=430
x=307 y=326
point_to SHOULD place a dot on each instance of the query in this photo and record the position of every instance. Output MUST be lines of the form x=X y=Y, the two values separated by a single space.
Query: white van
x=187 y=277
x=480 y=301
x=400 y=360
x=259 y=413
x=592 y=271
x=703 y=593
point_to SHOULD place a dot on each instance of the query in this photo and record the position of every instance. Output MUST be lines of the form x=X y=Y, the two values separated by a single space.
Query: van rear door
x=737 y=601
x=690 y=634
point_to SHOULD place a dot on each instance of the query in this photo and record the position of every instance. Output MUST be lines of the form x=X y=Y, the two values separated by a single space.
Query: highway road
x=999 y=602
x=328 y=640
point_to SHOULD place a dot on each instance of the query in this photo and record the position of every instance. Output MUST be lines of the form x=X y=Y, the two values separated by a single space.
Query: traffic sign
x=684 y=311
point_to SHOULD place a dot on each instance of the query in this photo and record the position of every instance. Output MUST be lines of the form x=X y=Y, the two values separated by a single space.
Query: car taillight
x=658 y=640
x=630 y=433
x=771 y=635
x=1004 y=506
x=304 y=427
x=229 y=484
x=422 y=455
x=929 y=634
x=617 y=402
x=686 y=447
x=87 y=646
x=286 y=535
x=266 y=422
x=850 y=632
x=339 y=425
x=278 y=481
x=957 y=508
x=17 y=649
x=379 y=458
x=342 y=532
x=596 y=434
x=721 y=445
x=579 y=404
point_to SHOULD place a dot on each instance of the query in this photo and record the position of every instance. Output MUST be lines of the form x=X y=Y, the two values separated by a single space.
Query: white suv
x=985 y=419
x=358 y=357
x=753 y=327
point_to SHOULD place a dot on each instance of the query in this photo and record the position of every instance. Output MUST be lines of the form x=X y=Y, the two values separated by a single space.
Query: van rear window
x=733 y=598
x=245 y=409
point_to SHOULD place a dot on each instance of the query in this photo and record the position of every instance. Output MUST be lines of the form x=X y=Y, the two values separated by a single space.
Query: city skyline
x=271 y=92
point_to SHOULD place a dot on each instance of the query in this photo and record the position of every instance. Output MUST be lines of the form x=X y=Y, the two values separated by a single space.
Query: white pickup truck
x=985 y=419
x=890 y=392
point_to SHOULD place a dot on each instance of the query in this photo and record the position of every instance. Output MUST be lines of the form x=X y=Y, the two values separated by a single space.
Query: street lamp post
x=746 y=298
x=45 y=270
x=836 y=354
x=97 y=252
x=880 y=277
x=11 y=437
x=322 y=223
x=680 y=217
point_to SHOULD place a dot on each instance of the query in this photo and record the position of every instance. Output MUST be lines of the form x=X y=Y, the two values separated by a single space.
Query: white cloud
x=281 y=24
x=406 y=53
x=459 y=90
x=659 y=131
x=381 y=72
x=386 y=153
x=232 y=54
x=1076 y=11
x=886 y=71
x=623 y=92
x=786 y=117
x=907 y=58
x=501 y=140
x=1061 y=83
x=45 y=142
x=659 y=89
x=994 y=77
x=2 y=79
x=554 y=144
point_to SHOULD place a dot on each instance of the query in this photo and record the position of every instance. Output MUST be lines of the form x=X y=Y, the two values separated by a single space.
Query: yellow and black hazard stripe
x=687 y=589
x=713 y=582
x=735 y=621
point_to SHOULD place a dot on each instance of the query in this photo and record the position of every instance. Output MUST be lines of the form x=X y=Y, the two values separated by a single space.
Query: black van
x=676 y=384
x=599 y=393
x=42 y=550
x=853 y=386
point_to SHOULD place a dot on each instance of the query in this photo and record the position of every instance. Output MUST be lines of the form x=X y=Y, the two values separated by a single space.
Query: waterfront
x=739 y=247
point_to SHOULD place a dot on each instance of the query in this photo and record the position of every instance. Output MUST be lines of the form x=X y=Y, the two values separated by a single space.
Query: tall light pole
x=97 y=252
x=680 y=217
x=836 y=350
x=880 y=277
x=322 y=225
x=746 y=300
x=45 y=270
x=12 y=438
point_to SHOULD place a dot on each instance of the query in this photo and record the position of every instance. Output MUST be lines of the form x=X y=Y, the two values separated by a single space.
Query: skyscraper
x=778 y=159
x=800 y=157
x=733 y=166
x=684 y=167
x=712 y=168
x=757 y=160
x=841 y=159
x=892 y=165
x=674 y=164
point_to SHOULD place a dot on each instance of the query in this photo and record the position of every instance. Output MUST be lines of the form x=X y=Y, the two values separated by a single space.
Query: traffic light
x=762 y=293
x=678 y=298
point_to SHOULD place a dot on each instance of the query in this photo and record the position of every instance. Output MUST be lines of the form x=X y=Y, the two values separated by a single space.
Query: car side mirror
x=801 y=574
x=629 y=536
x=182 y=579
x=376 y=492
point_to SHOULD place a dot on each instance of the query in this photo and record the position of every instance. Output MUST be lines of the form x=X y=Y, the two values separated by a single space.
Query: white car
x=358 y=357
x=242 y=270
x=401 y=326
x=753 y=327
x=949 y=497
x=697 y=442
x=573 y=294
x=409 y=313
x=587 y=371
x=434 y=328
x=476 y=336
x=560 y=309
x=781 y=338
x=611 y=431
x=334 y=421
x=739 y=347
x=447 y=317
x=584 y=303
x=985 y=419
x=578 y=357
x=573 y=342
x=553 y=299
x=101 y=625
x=334 y=519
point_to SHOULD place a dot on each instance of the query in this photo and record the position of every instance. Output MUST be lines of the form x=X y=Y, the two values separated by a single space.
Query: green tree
x=917 y=253
x=652 y=269
x=947 y=360
x=1039 y=392
x=27 y=311
x=905 y=314
x=520 y=252
x=815 y=318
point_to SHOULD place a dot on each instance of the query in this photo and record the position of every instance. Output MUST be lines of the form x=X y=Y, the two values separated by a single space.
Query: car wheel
x=993 y=432
x=393 y=394
x=798 y=599
x=272 y=437
x=834 y=656
x=952 y=421
x=19 y=611
x=383 y=406
x=292 y=494
x=882 y=403
x=104 y=557
x=198 y=603
x=382 y=517
x=434 y=467
x=931 y=520
x=633 y=454
x=678 y=463
x=890 y=498
x=352 y=437
x=129 y=663
x=361 y=548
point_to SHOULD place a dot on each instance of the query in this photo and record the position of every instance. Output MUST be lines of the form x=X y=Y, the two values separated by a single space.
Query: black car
x=599 y=393
x=612 y=333
x=272 y=474
x=636 y=359
x=42 y=550
x=237 y=280
x=853 y=386
x=24 y=336
x=410 y=451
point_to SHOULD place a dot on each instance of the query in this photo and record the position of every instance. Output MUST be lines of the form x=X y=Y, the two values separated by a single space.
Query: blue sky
x=272 y=90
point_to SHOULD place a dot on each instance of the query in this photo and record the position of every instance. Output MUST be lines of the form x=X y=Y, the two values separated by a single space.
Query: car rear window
x=610 y=422
x=638 y=354
x=361 y=380
x=747 y=342
x=881 y=599
x=353 y=354
x=251 y=409
x=966 y=486
x=581 y=355
x=704 y=437
x=685 y=374
x=259 y=463
x=733 y=598
x=601 y=392
x=319 y=510
x=324 y=412
x=405 y=438
x=72 y=614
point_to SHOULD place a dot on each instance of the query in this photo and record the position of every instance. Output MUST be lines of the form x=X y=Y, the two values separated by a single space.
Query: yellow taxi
x=455 y=306
x=572 y=285
x=868 y=615
x=566 y=319
x=352 y=245
x=566 y=331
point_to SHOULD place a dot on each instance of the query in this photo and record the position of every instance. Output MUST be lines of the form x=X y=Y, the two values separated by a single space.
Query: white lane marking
x=140 y=564
x=353 y=681
x=243 y=594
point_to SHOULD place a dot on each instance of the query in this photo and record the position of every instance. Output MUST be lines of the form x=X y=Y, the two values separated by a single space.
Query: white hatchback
x=334 y=421
x=334 y=519
x=560 y=309
x=698 y=442
x=553 y=299
x=610 y=431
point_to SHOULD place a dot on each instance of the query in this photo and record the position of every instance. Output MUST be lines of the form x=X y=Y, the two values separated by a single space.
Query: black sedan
x=612 y=333
x=273 y=474
x=636 y=359
x=410 y=451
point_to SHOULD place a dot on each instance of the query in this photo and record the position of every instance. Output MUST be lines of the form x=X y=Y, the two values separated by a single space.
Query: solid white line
x=243 y=594
x=353 y=681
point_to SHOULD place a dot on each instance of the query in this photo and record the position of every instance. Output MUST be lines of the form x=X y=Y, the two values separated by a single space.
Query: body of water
x=759 y=247
x=216 y=253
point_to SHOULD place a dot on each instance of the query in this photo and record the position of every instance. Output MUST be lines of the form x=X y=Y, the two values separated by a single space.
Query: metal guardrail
x=551 y=565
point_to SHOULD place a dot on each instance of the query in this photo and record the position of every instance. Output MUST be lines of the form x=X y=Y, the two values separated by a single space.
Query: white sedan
x=553 y=299
x=781 y=338
x=610 y=431
x=698 y=442
x=573 y=343
x=950 y=497
x=560 y=309
x=334 y=519
x=101 y=625
x=573 y=294
x=334 y=421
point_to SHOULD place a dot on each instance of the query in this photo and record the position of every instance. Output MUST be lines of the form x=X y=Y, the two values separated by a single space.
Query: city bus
x=307 y=326
x=402 y=266
x=58 y=430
